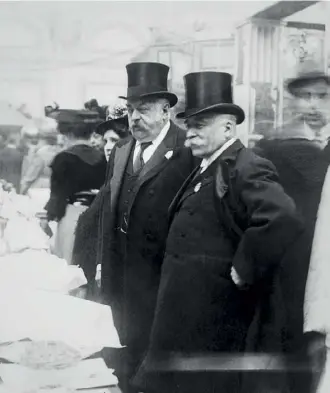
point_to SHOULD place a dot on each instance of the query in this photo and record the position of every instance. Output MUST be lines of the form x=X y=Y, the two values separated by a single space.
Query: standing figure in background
x=29 y=144
x=230 y=225
x=145 y=172
x=112 y=131
x=300 y=154
x=36 y=179
x=108 y=133
x=11 y=159
x=78 y=168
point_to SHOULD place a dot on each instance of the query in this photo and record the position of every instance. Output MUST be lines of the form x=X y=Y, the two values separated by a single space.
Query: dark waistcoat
x=127 y=194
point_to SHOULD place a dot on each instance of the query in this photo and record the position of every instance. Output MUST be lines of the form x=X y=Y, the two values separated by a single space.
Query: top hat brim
x=294 y=83
x=171 y=97
x=230 y=109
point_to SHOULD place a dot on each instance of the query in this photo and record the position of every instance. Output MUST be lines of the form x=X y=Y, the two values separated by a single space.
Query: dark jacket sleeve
x=89 y=231
x=60 y=186
x=85 y=243
x=272 y=220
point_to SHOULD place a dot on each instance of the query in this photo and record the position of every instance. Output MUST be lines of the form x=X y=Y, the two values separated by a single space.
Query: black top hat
x=120 y=126
x=148 y=79
x=210 y=92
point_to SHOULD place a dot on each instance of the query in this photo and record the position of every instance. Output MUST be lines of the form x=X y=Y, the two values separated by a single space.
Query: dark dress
x=79 y=168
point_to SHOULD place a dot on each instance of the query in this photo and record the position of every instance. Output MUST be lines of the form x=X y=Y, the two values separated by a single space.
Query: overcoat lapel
x=158 y=160
x=120 y=162
x=173 y=206
x=229 y=155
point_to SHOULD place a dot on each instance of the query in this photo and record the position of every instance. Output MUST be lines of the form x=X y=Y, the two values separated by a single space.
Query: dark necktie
x=138 y=163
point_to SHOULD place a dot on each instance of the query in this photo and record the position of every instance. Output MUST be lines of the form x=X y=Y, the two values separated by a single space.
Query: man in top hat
x=145 y=171
x=231 y=222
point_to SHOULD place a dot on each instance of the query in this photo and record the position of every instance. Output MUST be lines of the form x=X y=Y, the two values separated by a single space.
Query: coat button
x=152 y=192
x=183 y=235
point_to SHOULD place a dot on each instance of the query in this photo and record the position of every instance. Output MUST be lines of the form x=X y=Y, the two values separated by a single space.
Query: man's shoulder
x=249 y=162
x=123 y=141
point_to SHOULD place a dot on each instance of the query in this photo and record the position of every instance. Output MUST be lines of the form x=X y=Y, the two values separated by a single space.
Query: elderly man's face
x=208 y=132
x=147 y=118
x=313 y=103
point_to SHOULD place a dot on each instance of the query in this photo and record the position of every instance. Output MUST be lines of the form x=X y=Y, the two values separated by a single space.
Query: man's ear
x=230 y=129
x=166 y=108
x=230 y=126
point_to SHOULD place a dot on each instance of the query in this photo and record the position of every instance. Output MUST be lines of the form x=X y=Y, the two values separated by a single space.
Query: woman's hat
x=74 y=116
x=210 y=91
x=119 y=125
x=148 y=80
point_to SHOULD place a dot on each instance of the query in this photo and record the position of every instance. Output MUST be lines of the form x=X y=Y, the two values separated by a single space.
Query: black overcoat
x=130 y=283
x=302 y=166
x=262 y=222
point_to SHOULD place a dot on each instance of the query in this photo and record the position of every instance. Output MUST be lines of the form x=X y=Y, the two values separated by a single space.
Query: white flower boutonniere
x=169 y=154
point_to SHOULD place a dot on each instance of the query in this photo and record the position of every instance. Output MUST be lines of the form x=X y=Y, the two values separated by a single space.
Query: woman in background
x=76 y=169
x=108 y=133
x=84 y=251
x=36 y=179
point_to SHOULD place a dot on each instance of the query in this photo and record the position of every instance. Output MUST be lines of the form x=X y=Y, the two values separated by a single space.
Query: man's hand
x=237 y=279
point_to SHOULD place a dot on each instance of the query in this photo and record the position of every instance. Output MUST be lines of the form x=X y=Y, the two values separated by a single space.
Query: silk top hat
x=210 y=92
x=148 y=80
x=308 y=71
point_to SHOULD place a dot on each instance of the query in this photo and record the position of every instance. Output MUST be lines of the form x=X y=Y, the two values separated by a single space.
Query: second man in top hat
x=145 y=172
x=230 y=224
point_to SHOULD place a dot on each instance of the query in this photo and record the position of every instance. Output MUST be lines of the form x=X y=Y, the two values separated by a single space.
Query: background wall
x=71 y=51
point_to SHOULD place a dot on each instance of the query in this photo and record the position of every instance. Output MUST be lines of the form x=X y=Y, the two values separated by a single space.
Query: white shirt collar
x=149 y=151
x=208 y=161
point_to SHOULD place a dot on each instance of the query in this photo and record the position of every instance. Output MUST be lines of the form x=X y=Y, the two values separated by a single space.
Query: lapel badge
x=169 y=154
x=197 y=187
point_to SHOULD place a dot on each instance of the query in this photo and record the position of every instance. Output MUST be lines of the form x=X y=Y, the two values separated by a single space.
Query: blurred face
x=208 y=132
x=313 y=103
x=110 y=138
x=32 y=140
x=97 y=141
x=147 y=118
x=60 y=140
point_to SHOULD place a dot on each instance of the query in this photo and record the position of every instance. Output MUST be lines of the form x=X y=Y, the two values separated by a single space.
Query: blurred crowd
x=26 y=156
